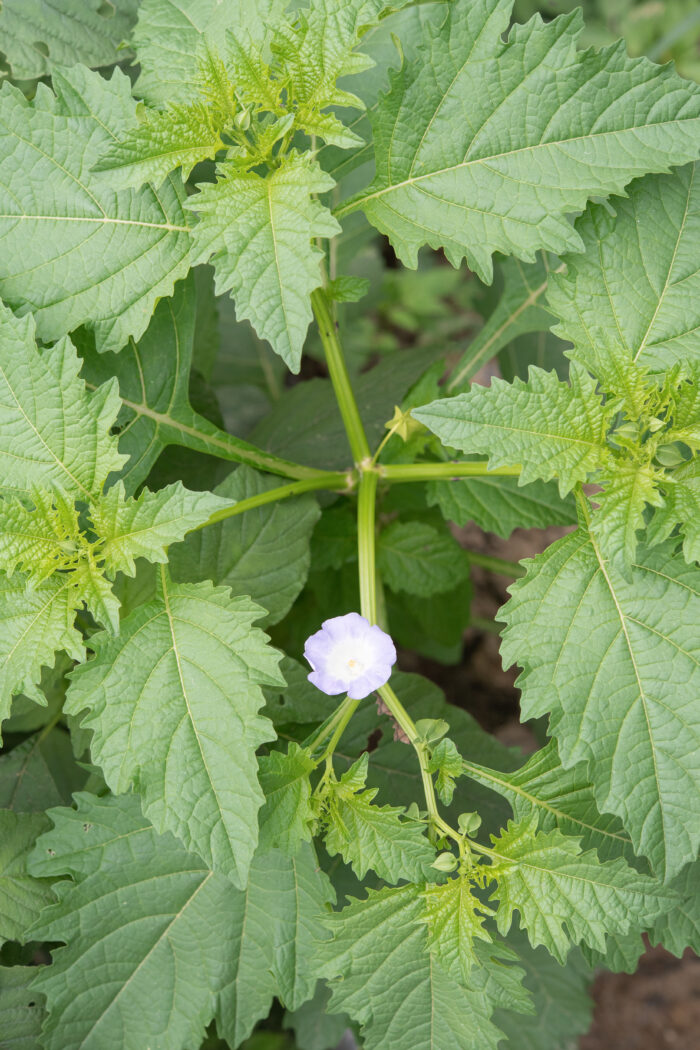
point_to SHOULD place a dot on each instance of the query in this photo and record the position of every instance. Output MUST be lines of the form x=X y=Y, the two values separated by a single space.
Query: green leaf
x=499 y=505
x=193 y=759
x=287 y=816
x=679 y=928
x=681 y=508
x=415 y=557
x=52 y=431
x=257 y=231
x=616 y=665
x=22 y=896
x=144 y=527
x=446 y=761
x=565 y=896
x=561 y=798
x=552 y=428
x=455 y=919
x=181 y=938
x=39 y=773
x=634 y=290
x=263 y=553
x=21 y=1009
x=37 y=35
x=379 y=947
x=313 y=1027
x=378 y=837
x=523 y=131
x=298 y=701
x=96 y=257
x=629 y=488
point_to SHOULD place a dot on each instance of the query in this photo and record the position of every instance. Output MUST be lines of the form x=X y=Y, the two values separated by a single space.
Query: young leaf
x=637 y=281
x=194 y=758
x=565 y=896
x=181 y=937
x=562 y=798
x=377 y=837
x=144 y=527
x=415 y=557
x=22 y=896
x=257 y=231
x=21 y=1008
x=96 y=258
x=681 y=508
x=554 y=429
x=52 y=431
x=616 y=666
x=629 y=489
x=455 y=919
x=446 y=761
x=287 y=815
x=523 y=131
x=383 y=975
x=263 y=553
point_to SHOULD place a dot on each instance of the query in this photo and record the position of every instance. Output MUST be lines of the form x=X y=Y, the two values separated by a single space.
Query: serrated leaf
x=286 y=816
x=455 y=919
x=552 y=428
x=637 y=281
x=194 y=759
x=616 y=666
x=629 y=488
x=379 y=948
x=21 y=1009
x=561 y=798
x=498 y=504
x=257 y=232
x=37 y=35
x=565 y=896
x=681 y=508
x=96 y=257
x=181 y=938
x=679 y=928
x=524 y=131
x=22 y=896
x=370 y=836
x=263 y=553
x=39 y=773
x=415 y=557
x=446 y=761
x=52 y=430
x=144 y=527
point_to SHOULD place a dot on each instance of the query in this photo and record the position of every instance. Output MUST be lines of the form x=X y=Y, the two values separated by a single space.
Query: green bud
x=445 y=862
x=656 y=424
x=242 y=119
x=469 y=823
x=430 y=730
x=669 y=456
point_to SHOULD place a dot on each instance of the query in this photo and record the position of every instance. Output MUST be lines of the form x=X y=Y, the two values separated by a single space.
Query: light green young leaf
x=455 y=919
x=52 y=431
x=378 y=837
x=617 y=667
x=637 y=284
x=257 y=232
x=96 y=257
x=37 y=540
x=194 y=759
x=185 y=936
x=287 y=816
x=565 y=896
x=22 y=896
x=39 y=773
x=446 y=761
x=415 y=557
x=144 y=527
x=681 y=508
x=629 y=488
x=561 y=798
x=524 y=131
x=21 y=1009
x=552 y=428
x=38 y=35
x=263 y=553
x=379 y=946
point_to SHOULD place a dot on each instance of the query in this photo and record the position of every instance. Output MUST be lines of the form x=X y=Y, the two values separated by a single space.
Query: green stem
x=339 y=376
x=493 y=564
x=443 y=471
x=366 y=500
x=346 y=711
x=328 y=727
x=343 y=480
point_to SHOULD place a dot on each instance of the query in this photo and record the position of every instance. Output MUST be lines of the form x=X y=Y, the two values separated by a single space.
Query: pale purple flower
x=349 y=655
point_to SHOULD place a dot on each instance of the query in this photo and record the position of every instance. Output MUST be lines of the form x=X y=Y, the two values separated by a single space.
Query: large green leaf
x=21 y=1008
x=22 y=896
x=484 y=145
x=194 y=758
x=38 y=35
x=263 y=553
x=95 y=257
x=615 y=664
x=157 y=942
x=415 y=557
x=258 y=231
x=40 y=772
x=635 y=290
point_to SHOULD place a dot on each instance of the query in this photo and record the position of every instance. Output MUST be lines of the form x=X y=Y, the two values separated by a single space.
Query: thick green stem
x=499 y=565
x=365 y=544
x=443 y=471
x=339 y=376
x=338 y=480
